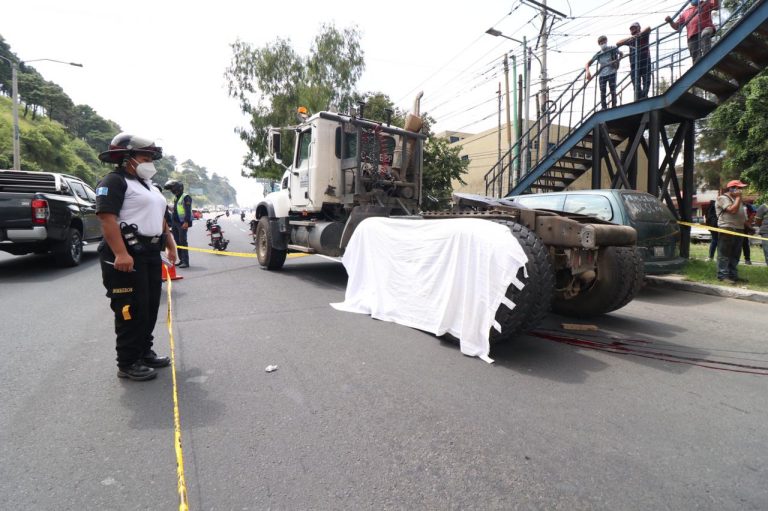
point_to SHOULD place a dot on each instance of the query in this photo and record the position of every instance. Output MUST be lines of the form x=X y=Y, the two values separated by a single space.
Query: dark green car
x=658 y=234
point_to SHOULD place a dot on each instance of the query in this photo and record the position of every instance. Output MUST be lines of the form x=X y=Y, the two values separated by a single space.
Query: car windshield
x=643 y=207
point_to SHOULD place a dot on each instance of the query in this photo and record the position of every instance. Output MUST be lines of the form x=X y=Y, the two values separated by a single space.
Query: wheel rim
x=76 y=249
x=261 y=239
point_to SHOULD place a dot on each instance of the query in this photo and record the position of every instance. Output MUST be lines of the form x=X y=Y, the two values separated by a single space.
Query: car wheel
x=69 y=251
x=269 y=257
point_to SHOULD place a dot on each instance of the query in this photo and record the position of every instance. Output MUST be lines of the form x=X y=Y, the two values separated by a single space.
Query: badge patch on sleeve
x=102 y=190
x=126 y=312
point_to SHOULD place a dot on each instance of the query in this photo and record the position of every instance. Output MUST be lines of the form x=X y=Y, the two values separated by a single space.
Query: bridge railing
x=579 y=100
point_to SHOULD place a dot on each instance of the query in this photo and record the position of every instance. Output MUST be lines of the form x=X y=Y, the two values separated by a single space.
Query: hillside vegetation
x=58 y=136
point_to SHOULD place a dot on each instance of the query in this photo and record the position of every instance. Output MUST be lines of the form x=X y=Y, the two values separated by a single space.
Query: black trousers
x=135 y=300
x=641 y=80
x=610 y=80
x=180 y=235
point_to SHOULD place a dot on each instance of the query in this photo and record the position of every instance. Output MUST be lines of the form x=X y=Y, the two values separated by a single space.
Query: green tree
x=737 y=132
x=272 y=81
x=442 y=165
x=376 y=104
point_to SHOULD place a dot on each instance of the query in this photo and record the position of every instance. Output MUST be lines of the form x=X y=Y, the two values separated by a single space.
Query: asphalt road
x=363 y=414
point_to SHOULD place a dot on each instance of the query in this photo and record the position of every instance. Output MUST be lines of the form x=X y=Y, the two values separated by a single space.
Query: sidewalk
x=678 y=282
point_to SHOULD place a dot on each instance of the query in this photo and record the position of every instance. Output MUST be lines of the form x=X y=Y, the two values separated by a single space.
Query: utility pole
x=544 y=96
x=509 y=123
x=518 y=128
x=544 y=141
x=509 y=113
x=15 y=96
x=527 y=113
x=499 y=93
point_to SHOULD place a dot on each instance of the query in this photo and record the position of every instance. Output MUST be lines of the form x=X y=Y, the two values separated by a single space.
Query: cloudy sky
x=156 y=67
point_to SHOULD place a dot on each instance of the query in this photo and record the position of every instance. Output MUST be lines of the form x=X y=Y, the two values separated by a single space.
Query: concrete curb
x=677 y=282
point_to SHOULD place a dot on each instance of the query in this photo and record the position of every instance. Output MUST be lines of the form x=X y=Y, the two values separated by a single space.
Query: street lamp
x=15 y=99
x=497 y=33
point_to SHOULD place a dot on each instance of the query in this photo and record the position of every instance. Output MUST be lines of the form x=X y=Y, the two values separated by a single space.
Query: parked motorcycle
x=218 y=241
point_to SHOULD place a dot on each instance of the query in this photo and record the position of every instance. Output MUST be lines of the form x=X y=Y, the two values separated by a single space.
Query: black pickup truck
x=44 y=212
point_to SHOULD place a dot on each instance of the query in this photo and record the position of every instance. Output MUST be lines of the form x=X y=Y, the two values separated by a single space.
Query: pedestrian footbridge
x=572 y=134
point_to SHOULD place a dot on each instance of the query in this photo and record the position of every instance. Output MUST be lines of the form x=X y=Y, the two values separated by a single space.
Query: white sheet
x=435 y=275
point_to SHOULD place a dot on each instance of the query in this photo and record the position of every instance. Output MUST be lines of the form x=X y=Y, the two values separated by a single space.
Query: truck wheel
x=69 y=251
x=619 y=278
x=269 y=257
x=532 y=302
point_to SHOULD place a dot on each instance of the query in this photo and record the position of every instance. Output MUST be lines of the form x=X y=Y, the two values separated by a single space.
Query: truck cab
x=343 y=169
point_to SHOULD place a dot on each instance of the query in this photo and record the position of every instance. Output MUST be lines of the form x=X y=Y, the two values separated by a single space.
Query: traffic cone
x=168 y=269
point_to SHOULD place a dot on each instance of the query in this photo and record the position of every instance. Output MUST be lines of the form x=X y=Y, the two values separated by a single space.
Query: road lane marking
x=181 y=480
x=235 y=254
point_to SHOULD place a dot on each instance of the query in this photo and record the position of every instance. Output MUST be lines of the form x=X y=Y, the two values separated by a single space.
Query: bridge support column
x=597 y=158
x=653 y=153
x=689 y=188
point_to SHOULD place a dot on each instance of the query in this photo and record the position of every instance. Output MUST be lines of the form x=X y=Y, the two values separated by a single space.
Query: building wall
x=482 y=152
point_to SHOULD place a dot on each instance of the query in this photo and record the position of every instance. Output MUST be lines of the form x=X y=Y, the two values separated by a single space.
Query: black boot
x=136 y=371
x=151 y=359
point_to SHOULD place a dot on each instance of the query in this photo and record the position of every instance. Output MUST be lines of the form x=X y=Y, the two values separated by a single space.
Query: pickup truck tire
x=533 y=301
x=69 y=251
x=269 y=257
x=619 y=278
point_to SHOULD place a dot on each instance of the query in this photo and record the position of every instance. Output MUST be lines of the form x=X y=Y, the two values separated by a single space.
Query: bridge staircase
x=572 y=134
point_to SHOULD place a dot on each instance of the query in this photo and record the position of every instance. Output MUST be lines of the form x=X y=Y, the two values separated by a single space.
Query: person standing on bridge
x=182 y=219
x=697 y=20
x=731 y=215
x=132 y=215
x=608 y=59
x=639 y=59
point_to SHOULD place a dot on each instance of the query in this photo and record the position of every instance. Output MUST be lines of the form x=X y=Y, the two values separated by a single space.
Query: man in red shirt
x=697 y=19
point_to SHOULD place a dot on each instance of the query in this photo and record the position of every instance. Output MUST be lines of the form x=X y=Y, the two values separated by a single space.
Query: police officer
x=131 y=211
x=182 y=218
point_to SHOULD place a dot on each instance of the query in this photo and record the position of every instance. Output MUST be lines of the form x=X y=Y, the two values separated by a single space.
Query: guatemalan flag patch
x=102 y=190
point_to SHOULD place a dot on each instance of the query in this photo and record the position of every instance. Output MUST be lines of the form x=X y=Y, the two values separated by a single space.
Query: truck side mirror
x=274 y=145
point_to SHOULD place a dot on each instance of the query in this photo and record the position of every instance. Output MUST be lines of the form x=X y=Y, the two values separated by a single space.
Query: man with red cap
x=731 y=216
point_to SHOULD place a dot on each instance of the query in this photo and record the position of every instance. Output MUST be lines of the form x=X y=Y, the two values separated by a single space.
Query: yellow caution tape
x=181 y=481
x=725 y=231
x=234 y=254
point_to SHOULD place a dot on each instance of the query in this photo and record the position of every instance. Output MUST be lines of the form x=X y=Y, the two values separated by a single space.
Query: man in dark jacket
x=182 y=219
x=712 y=222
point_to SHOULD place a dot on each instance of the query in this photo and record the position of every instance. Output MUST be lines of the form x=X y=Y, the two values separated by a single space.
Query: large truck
x=346 y=168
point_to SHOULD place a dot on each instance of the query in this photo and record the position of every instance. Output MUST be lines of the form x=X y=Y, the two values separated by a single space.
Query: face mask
x=146 y=170
x=694 y=2
x=604 y=46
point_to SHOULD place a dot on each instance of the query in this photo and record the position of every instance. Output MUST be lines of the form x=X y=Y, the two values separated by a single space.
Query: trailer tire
x=69 y=251
x=269 y=257
x=533 y=301
x=619 y=278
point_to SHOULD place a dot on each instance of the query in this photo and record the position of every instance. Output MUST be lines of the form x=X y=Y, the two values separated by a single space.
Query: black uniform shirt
x=110 y=192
